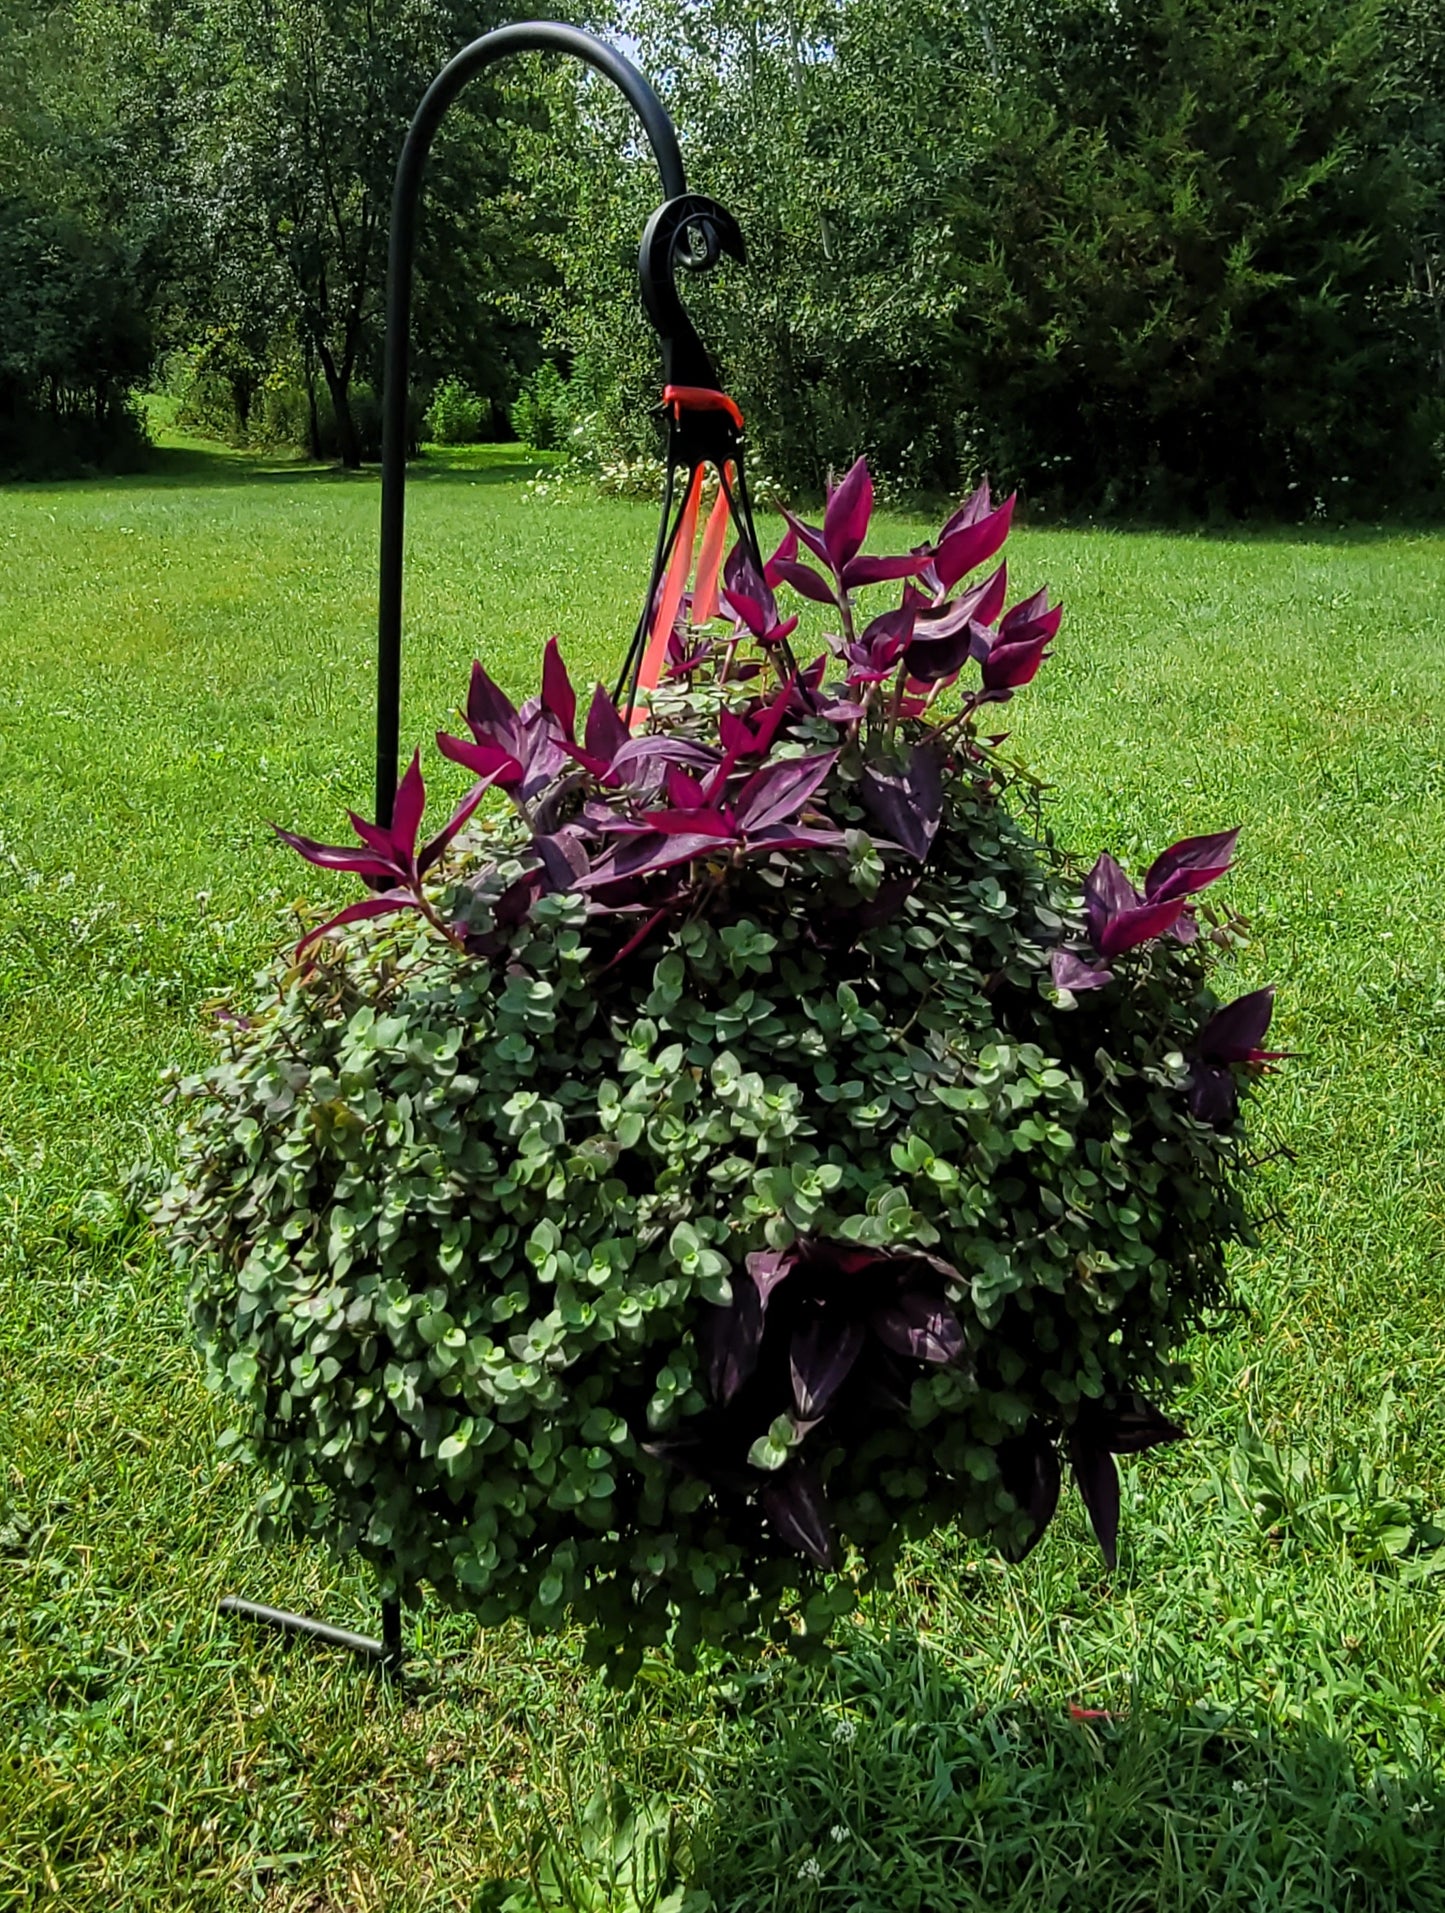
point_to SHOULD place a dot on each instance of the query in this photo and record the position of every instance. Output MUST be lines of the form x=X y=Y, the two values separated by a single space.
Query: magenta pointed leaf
x=559 y=700
x=1190 y=865
x=731 y=1339
x=805 y=581
x=382 y=906
x=483 y=760
x=977 y=505
x=769 y=1267
x=907 y=804
x=606 y=732
x=1071 y=971
x=432 y=851
x=1235 y=1033
x=876 y=571
x=776 y=793
x=970 y=545
x=785 y=553
x=845 y=521
x=490 y=712
x=364 y=863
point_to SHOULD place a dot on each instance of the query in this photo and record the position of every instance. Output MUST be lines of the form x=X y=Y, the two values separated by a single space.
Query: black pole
x=386 y=1651
x=533 y=36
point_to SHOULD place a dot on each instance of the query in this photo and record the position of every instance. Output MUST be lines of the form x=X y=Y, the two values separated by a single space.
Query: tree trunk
x=347 y=443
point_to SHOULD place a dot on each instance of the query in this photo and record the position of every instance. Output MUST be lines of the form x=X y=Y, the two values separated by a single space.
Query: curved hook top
x=692 y=231
x=531 y=36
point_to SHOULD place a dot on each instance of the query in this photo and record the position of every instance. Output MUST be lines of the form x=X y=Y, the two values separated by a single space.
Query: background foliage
x=1162 y=255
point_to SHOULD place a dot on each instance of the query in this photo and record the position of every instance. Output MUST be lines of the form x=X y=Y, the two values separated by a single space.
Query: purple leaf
x=1119 y=918
x=407 y=810
x=731 y=1339
x=769 y=1267
x=1029 y=1465
x=337 y=856
x=811 y=537
x=606 y=732
x=777 y=792
x=845 y=521
x=786 y=552
x=907 y=805
x=558 y=697
x=1190 y=865
x=969 y=545
x=1074 y=972
x=977 y=505
x=490 y=712
x=1133 y=1427
x=1212 y=1095
x=487 y=760
x=874 y=571
x=793 y=1503
x=381 y=906
x=804 y=580
x=432 y=851
x=564 y=857
x=1235 y=1033
x=916 y=1323
x=822 y=1354
x=1098 y=1483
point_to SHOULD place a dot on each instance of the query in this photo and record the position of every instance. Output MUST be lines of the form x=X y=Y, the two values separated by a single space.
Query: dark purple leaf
x=1098 y=1484
x=1119 y=918
x=968 y=546
x=490 y=712
x=793 y=1503
x=1235 y=1033
x=804 y=580
x=811 y=536
x=1029 y=1465
x=918 y=1324
x=558 y=697
x=490 y=761
x=1132 y=1427
x=1212 y=1095
x=907 y=805
x=845 y=521
x=875 y=571
x=431 y=851
x=1074 y=972
x=823 y=1352
x=731 y=1339
x=564 y=857
x=776 y=793
x=381 y=906
x=337 y=856
x=769 y=1267
x=1190 y=865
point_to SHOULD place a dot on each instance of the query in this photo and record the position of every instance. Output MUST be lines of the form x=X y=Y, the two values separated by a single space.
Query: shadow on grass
x=884 y=1784
x=197 y=466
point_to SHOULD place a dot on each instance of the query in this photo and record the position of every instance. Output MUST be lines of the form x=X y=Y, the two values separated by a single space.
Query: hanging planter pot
x=650 y=1207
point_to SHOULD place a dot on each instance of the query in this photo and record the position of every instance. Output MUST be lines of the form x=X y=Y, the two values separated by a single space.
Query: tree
x=296 y=111
x=1183 y=251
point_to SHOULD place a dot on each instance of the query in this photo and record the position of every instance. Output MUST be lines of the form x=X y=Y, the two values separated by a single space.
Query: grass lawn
x=186 y=654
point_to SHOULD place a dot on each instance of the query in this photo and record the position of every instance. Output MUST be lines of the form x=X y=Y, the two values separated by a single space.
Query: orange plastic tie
x=710 y=557
x=673 y=587
x=700 y=398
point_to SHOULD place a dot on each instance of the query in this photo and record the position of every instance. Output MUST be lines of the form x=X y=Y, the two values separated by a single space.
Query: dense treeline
x=1164 y=255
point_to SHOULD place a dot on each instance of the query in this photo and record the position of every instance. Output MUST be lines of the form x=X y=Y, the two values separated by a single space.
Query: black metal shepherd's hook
x=684 y=218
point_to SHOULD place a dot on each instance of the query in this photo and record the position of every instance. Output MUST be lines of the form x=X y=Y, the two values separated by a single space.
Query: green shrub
x=455 y=414
x=542 y=410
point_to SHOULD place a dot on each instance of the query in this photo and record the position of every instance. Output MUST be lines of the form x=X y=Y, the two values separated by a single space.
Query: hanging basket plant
x=652 y=1206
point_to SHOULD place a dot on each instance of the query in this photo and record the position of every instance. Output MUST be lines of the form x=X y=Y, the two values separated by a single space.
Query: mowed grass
x=186 y=654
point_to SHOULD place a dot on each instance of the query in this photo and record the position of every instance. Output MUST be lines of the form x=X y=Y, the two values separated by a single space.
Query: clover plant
x=760 y=1146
